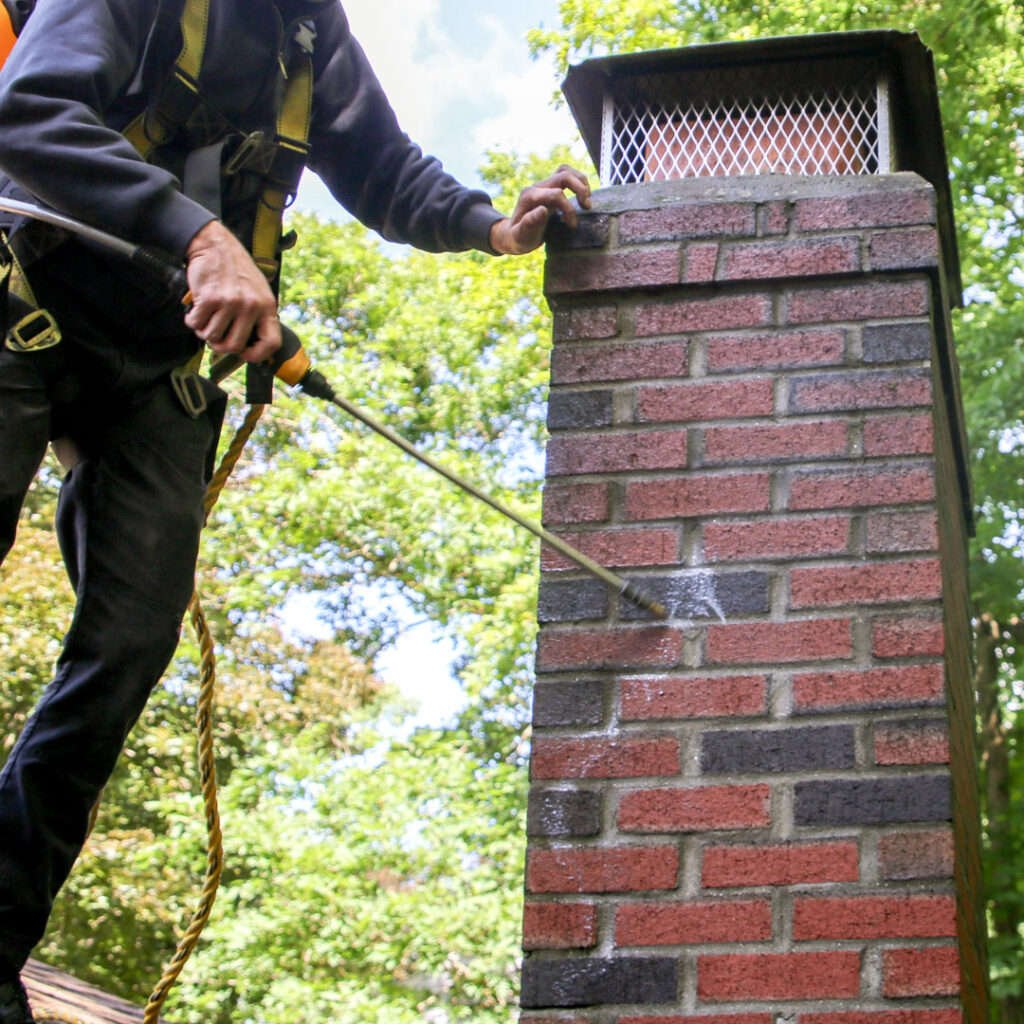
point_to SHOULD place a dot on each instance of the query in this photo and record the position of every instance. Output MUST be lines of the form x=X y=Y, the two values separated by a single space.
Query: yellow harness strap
x=153 y=127
x=293 y=120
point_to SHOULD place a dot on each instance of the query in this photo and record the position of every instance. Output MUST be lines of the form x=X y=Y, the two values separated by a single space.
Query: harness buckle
x=305 y=34
x=188 y=388
x=34 y=332
x=254 y=153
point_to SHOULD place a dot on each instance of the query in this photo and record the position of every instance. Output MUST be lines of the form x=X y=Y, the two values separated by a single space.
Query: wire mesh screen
x=784 y=118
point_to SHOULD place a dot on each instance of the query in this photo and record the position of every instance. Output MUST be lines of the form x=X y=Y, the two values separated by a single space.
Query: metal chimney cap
x=917 y=128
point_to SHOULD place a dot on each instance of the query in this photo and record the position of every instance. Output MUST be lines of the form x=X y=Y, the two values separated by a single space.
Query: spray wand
x=292 y=365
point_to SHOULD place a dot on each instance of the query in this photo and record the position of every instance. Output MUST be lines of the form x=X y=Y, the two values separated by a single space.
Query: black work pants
x=128 y=521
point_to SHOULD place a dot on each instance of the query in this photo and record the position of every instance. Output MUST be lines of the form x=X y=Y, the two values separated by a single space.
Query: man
x=85 y=73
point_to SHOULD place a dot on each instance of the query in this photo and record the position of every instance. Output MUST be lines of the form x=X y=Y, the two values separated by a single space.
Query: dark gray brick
x=897 y=343
x=862 y=389
x=777 y=750
x=565 y=983
x=592 y=231
x=571 y=600
x=702 y=595
x=579 y=410
x=563 y=812
x=574 y=703
x=873 y=801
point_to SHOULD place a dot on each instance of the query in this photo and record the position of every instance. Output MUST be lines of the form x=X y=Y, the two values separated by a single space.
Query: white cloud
x=458 y=97
x=419 y=69
x=459 y=100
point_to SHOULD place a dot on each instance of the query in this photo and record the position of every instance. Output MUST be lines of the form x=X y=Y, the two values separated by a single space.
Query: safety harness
x=181 y=108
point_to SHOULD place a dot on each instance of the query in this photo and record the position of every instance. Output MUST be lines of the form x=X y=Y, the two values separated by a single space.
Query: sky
x=460 y=79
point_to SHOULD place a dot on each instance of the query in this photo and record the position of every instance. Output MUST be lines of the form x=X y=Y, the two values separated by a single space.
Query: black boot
x=13 y=1002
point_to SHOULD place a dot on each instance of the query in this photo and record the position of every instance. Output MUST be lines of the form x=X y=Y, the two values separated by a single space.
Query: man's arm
x=385 y=181
x=73 y=60
x=233 y=308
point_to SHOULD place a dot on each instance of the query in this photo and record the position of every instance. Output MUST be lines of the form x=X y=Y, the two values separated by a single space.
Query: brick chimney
x=763 y=810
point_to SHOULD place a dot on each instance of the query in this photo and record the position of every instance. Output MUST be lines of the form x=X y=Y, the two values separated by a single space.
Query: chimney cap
x=918 y=132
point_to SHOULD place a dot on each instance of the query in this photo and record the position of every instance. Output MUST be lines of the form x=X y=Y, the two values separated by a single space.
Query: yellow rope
x=204 y=728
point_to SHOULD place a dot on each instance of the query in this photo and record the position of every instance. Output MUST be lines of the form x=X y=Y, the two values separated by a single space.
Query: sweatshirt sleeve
x=372 y=168
x=72 y=61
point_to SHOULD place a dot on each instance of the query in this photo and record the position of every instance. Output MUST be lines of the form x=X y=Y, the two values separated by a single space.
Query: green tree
x=981 y=83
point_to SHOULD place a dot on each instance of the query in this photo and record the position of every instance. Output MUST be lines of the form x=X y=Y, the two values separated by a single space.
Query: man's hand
x=524 y=230
x=233 y=308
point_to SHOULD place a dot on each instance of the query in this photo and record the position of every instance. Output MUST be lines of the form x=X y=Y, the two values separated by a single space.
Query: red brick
x=780 y=864
x=602 y=271
x=681 y=924
x=880 y=299
x=888 y=532
x=778 y=976
x=751 y=643
x=873 y=917
x=621 y=869
x=876 y=687
x=898 y=435
x=705 y=401
x=559 y=925
x=907 y=973
x=708 y=495
x=581 y=323
x=762 y=539
x=715 y=313
x=873 y=389
x=618 y=547
x=703 y=1018
x=884 y=1017
x=861 y=488
x=911 y=743
x=695 y=809
x=617 y=453
x=700 y=697
x=907 y=636
x=685 y=221
x=774 y=218
x=892 y=208
x=576 y=503
x=783 y=350
x=804 y=257
x=787 y=442
x=604 y=758
x=910 y=855
x=581 y=364
x=609 y=648
x=873 y=583
x=904 y=250
x=700 y=261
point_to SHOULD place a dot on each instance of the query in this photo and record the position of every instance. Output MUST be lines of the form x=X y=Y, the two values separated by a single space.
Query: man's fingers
x=550 y=198
x=265 y=340
x=569 y=178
